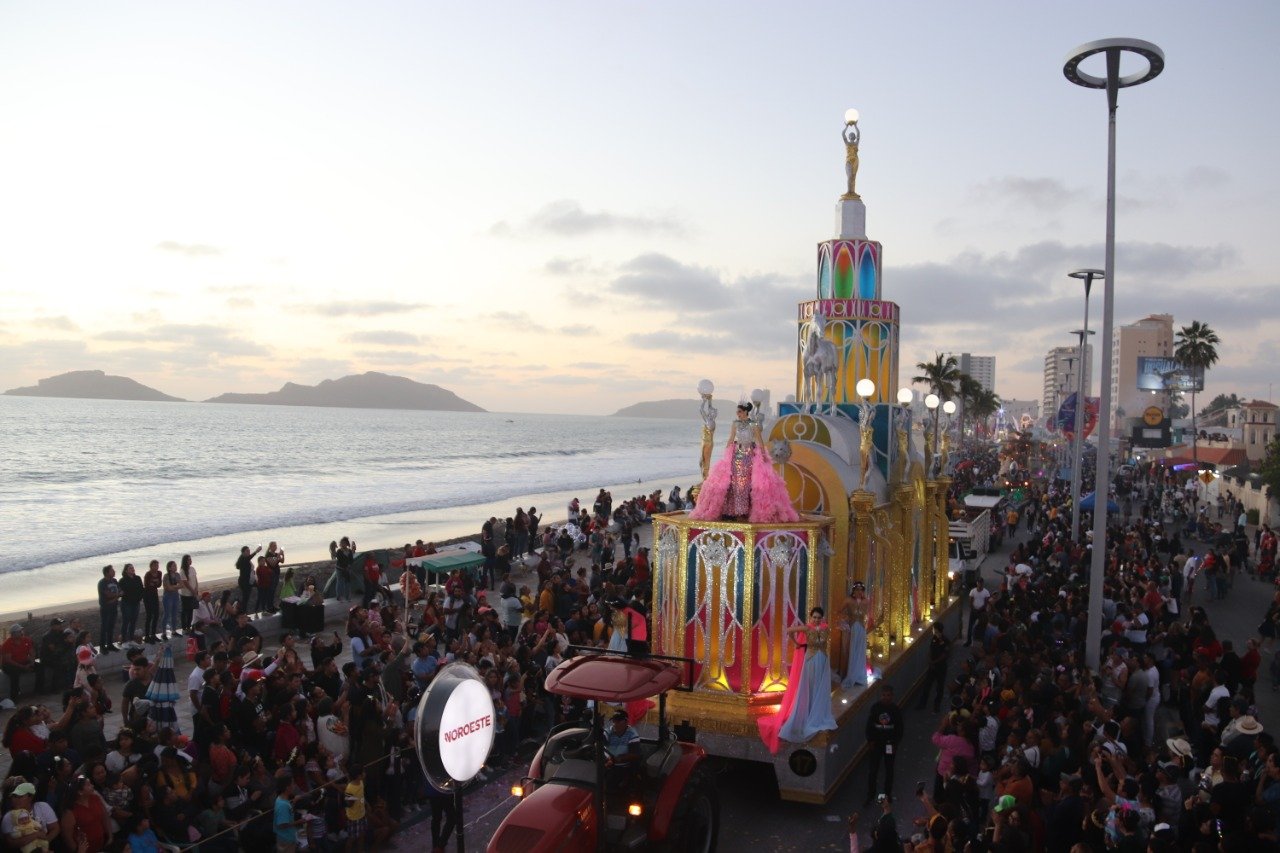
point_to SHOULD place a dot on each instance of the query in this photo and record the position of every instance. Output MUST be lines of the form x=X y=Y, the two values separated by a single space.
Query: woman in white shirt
x=188 y=590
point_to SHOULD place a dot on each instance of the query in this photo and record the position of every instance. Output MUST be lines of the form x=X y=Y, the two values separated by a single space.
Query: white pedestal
x=851 y=219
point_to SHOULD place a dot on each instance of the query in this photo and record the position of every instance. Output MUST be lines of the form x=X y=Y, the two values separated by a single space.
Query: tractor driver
x=622 y=742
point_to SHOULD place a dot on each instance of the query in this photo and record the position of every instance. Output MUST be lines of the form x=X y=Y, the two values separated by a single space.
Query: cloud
x=384 y=337
x=1029 y=284
x=577 y=330
x=658 y=280
x=567 y=218
x=239 y=302
x=516 y=321
x=60 y=324
x=191 y=250
x=210 y=341
x=394 y=356
x=371 y=308
x=756 y=312
x=1040 y=194
x=1205 y=177
x=566 y=266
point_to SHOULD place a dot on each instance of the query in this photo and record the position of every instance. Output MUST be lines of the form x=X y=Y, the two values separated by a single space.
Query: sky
x=573 y=206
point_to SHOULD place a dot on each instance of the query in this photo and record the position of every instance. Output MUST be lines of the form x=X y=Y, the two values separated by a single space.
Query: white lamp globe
x=949 y=407
x=850 y=116
x=865 y=388
x=706 y=386
x=757 y=395
x=931 y=401
x=905 y=395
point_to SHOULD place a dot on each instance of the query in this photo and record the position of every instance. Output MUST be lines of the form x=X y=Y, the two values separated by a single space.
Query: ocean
x=85 y=482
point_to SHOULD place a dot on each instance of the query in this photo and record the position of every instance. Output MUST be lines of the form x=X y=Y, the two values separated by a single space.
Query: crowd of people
x=296 y=746
x=1161 y=749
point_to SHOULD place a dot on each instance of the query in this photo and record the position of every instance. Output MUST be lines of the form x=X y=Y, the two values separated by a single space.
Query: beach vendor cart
x=440 y=565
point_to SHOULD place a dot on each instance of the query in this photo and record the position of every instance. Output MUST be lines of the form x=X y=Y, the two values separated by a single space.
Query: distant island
x=370 y=390
x=682 y=409
x=92 y=385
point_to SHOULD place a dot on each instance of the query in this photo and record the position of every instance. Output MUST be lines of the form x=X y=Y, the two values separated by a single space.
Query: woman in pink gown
x=742 y=485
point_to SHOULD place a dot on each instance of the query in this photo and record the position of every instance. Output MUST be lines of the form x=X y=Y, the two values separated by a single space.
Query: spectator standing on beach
x=57 y=658
x=521 y=524
x=533 y=521
x=151 y=583
x=275 y=559
x=18 y=656
x=244 y=573
x=188 y=590
x=172 y=583
x=343 y=561
x=130 y=600
x=108 y=608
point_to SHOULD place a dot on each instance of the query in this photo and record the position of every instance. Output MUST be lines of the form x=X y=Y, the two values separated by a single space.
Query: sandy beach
x=69 y=588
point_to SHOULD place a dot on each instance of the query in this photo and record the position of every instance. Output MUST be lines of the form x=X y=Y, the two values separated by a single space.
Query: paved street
x=752 y=816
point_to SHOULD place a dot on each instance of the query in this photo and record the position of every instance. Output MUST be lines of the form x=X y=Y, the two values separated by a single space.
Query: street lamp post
x=1087 y=276
x=931 y=402
x=1112 y=83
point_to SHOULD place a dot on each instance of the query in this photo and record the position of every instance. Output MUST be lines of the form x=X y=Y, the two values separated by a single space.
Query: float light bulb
x=865 y=388
x=905 y=396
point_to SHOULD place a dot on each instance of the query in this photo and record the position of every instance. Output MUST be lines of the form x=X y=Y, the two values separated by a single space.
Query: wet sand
x=66 y=588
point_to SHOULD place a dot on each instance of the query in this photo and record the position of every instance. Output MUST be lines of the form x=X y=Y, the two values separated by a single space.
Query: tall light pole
x=1086 y=275
x=1112 y=83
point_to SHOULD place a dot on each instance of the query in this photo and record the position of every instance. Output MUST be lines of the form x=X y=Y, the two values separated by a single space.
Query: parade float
x=864 y=536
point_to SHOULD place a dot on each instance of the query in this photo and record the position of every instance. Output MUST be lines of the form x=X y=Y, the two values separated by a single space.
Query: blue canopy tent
x=1086 y=504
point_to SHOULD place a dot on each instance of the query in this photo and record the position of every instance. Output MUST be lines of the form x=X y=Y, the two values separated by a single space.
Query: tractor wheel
x=695 y=826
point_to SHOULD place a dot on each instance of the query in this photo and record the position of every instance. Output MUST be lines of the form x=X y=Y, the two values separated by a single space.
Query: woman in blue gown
x=855 y=608
x=811 y=711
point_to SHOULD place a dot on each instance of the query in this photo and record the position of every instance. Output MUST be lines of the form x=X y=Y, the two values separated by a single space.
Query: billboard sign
x=1161 y=374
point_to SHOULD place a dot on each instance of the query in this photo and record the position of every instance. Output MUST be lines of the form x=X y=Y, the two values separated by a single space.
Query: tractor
x=578 y=797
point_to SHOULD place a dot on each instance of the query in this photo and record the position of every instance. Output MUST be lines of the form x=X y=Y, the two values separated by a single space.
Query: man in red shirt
x=17 y=657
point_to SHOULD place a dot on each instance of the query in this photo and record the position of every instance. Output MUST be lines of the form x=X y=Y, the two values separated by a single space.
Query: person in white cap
x=30 y=824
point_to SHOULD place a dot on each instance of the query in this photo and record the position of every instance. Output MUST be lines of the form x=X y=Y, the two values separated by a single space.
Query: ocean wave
x=155 y=537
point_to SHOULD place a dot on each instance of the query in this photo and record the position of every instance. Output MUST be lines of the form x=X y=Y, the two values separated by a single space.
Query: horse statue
x=820 y=363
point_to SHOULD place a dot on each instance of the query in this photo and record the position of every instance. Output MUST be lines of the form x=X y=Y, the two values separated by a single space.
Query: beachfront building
x=870 y=512
x=1152 y=336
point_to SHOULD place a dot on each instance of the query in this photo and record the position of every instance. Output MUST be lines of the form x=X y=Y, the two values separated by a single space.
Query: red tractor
x=579 y=797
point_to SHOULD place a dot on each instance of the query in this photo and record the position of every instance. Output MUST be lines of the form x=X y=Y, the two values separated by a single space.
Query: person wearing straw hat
x=1239 y=734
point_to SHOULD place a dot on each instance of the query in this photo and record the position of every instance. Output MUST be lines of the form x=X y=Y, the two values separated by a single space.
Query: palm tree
x=984 y=406
x=968 y=393
x=942 y=375
x=1197 y=349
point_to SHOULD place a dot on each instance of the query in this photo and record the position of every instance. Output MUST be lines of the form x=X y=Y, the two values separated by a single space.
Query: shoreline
x=64 y=588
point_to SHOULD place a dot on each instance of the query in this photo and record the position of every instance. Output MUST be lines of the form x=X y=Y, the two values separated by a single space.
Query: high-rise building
x=1150 y=336
x=1062 y=376
x=980 y=367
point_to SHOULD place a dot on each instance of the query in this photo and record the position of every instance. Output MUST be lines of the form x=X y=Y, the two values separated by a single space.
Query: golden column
x=943 y=577
x=904 y=519
x=861 y=504
x=929 y=565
